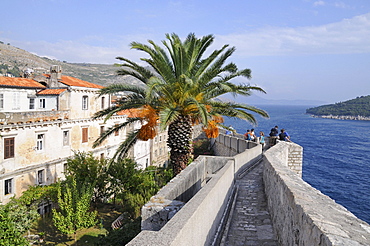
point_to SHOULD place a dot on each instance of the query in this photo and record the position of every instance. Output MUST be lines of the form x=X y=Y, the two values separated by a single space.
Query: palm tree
x=179 y=88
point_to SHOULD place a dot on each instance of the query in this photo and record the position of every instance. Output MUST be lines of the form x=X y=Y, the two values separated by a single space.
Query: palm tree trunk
x=179 y=137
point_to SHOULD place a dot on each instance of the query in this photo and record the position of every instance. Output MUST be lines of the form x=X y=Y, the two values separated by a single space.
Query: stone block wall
x=172 y=197
x=295 y=158
x=198 y=219
x=301 y=214
x=229 y=145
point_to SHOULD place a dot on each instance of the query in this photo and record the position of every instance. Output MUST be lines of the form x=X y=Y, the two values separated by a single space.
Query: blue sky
x=296 y=49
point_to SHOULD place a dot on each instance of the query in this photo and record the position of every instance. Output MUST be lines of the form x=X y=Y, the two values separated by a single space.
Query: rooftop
x=51 y=92
x=20 y=82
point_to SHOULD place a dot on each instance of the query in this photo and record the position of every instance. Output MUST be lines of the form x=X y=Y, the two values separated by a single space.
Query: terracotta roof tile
x=51 y=92
x=71 y=81
x=20 y=82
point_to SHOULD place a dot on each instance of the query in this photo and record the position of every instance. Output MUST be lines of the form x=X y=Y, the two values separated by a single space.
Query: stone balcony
x=32 y=116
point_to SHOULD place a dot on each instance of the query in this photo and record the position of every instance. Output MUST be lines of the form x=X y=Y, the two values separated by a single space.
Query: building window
x=8 y=148
x=160 y=138
x=101 y=130
x=65 y=138
x=1 y=101
x=85 y=134
x=8 y=188
x=102 y=102
x=16 y=100
x=32 y=103
x=116 y=132
x=42 y=103
x=40 y=142
x=40 y=177
x=85 y=102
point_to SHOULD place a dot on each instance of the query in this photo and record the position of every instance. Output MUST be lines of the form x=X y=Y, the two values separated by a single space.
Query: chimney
x=55 y=75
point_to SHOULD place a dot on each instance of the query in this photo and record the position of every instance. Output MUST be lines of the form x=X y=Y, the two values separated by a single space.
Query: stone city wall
x=230 y=145
x=301 y=214
x=198 y=219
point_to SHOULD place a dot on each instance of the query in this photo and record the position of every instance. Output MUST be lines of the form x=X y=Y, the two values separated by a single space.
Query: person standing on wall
x=252 y=135
x=262 y=139
x=274 y=134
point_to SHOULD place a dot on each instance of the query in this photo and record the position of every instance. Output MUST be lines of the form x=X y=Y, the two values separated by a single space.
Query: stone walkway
x=250 y=222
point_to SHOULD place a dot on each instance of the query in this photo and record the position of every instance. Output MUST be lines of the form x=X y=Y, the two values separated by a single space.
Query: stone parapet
x=301 y=214
x=161 y=207
x=205 y=186
x=231 y=145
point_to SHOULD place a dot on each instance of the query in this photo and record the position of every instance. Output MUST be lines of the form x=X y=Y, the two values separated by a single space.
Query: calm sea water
x=336 y=153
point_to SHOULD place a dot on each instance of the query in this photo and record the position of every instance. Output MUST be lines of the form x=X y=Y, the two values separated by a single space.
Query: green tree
x=179 y=89
x=74 y=207
x=9 y=233
x=17 y=216
x=354 y=107
x=132 y=186
x=86 y=168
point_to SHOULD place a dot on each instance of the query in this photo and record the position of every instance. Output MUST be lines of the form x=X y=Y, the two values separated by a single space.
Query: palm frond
x=167 y=115
x=118 y=88
x=126 y=145
x=113 y=130
x=133 y=69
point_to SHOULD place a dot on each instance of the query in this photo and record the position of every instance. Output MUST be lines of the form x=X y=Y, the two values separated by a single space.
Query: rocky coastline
x=341 y=117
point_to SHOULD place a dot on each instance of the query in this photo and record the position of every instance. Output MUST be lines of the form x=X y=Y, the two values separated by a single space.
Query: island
x=354 y=109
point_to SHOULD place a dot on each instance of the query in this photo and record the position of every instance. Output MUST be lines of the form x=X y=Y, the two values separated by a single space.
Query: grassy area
x=107 y=213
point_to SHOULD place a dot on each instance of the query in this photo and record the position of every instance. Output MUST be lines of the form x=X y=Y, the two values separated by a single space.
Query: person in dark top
x=274 y=131
x=274 y=134
x=284 y=136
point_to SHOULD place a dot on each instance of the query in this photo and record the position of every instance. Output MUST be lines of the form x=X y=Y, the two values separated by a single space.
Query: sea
x=336 y=153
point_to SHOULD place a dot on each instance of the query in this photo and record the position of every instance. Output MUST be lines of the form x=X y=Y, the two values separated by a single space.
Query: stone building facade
x=44 y=120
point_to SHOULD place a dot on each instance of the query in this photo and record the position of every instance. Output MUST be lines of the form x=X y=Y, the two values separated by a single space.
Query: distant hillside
x=355 y=107
x=15 y=60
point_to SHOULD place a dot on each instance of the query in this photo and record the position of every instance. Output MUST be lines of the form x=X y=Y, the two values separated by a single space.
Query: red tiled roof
x=71 y=81
x=51 y=92
x=20 y=82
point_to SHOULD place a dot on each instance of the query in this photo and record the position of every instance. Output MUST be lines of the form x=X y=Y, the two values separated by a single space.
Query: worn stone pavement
x=250 y=222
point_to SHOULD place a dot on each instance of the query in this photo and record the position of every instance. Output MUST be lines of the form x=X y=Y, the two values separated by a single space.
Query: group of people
x=282 y=136
x=251 y=136
x=274 y=135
